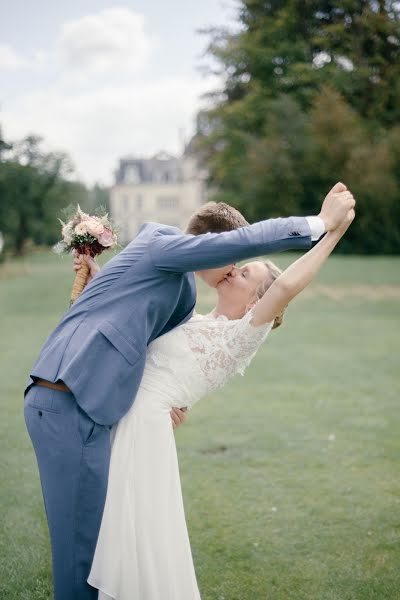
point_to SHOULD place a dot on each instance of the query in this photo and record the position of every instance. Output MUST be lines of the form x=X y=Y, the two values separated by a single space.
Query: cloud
x=112 y=40
x=10 y=60
x=97 y=104
x=99 y=126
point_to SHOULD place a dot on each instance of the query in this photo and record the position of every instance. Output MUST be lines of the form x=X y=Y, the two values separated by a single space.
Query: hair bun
x=278 y=320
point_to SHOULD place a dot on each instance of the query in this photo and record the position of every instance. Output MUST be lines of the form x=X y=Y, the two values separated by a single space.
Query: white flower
x=66 y=231
x=81 y=229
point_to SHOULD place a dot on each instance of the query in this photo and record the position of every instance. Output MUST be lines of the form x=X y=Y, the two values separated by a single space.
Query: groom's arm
x=182 y=252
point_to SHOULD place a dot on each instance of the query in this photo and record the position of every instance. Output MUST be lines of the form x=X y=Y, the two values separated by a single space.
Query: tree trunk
x=21 y=236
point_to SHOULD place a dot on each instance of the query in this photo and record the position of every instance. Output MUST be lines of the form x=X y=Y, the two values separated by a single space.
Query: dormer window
x=132 y=174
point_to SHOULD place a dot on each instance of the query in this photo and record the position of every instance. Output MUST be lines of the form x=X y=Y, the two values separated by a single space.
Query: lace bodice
x=223 y=347
x=200 y=356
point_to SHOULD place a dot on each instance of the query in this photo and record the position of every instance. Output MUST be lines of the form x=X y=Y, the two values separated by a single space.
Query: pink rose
x=107 y=238
x=94 y=227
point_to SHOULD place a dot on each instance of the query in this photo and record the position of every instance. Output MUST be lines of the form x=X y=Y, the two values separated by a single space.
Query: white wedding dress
x=143 y=550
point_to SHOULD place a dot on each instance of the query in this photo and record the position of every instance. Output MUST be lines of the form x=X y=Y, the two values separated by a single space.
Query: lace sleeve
x=225 y=347
x=243 y=340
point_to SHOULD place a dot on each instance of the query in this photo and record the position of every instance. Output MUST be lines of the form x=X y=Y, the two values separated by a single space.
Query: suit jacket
x=99 y=347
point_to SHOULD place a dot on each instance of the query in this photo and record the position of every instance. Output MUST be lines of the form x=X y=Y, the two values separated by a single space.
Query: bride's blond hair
x=274 y=272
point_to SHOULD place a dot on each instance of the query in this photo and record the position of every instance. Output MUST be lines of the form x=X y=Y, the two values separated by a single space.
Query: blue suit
x=99 y=350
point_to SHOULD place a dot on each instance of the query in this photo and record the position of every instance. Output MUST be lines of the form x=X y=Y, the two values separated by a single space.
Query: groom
x=89 y=369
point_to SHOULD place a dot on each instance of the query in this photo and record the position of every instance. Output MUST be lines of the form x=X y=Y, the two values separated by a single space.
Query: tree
x=32 y=190
x=271 y=173
x=343 y=144
x=309 y=87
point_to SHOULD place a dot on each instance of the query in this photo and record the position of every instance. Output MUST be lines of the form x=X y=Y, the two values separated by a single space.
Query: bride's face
x=239 y=288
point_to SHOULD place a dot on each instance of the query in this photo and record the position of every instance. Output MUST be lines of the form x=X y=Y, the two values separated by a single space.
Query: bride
x=143 y=550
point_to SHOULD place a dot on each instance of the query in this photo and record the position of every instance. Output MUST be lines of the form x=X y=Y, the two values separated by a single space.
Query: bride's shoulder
x=209 y=317
x=231 y=327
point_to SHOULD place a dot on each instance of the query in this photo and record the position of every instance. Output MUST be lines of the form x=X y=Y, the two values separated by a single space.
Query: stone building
x=164 y=188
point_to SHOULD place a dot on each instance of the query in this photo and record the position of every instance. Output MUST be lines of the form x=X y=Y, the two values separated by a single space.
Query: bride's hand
x=94 y=267
x=345 y=224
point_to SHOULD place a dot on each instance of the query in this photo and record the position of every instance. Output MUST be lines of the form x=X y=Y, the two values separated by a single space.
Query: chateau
x=164 y=188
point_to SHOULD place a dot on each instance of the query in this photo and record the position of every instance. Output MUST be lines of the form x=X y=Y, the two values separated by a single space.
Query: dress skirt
x=143 y=549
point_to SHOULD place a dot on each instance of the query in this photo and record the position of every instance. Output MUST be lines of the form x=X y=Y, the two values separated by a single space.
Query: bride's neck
x=227 y=310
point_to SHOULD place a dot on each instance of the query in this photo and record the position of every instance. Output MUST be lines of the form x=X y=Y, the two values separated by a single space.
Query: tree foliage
x=34 y=187
x=311 y=96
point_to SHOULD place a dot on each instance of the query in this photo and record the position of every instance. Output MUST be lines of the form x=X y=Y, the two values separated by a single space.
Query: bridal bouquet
x=85 y=234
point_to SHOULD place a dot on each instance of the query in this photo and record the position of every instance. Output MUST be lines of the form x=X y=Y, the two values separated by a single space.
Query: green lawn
x=290 y=474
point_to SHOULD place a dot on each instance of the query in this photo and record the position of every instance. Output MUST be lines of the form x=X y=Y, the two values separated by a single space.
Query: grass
x=289 y=474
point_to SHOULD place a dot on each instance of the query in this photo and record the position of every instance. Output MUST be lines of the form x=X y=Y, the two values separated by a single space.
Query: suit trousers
x=73 y=455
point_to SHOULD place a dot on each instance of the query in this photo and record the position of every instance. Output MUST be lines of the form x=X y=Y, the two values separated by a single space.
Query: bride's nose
x=235 y=271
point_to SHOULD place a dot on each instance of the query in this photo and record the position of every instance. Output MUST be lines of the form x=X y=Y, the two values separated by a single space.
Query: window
x=167 y=202
x=125 y=205
x=139 y=202
x=132 y=174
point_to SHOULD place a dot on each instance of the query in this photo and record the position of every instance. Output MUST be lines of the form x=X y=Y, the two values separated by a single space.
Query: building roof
x=161 y=168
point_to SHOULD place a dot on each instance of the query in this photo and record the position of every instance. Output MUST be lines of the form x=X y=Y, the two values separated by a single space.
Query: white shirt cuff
x=317 y=227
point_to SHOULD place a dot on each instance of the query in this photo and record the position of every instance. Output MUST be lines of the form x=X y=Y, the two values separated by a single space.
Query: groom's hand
x=178 y=416
x=336 y=206
x=94 y=267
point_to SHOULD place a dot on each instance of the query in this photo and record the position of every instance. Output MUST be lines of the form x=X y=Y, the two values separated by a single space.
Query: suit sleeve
x=181 y=253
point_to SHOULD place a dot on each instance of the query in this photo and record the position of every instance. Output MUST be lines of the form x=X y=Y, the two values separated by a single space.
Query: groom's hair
x=215 y=217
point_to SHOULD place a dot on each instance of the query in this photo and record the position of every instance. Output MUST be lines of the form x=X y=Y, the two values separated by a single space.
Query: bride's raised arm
x=297 y=276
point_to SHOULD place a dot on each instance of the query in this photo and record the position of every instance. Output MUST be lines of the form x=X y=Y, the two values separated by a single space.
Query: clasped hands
x=337 y=210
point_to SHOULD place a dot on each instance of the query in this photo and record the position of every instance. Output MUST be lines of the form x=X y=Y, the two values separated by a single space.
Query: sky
x=101 y=79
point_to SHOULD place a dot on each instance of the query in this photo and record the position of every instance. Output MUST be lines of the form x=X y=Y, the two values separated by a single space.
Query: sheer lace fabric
x=222 y=347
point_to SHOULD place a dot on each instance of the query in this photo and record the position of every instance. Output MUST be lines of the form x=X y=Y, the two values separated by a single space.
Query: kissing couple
x=122 y=367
